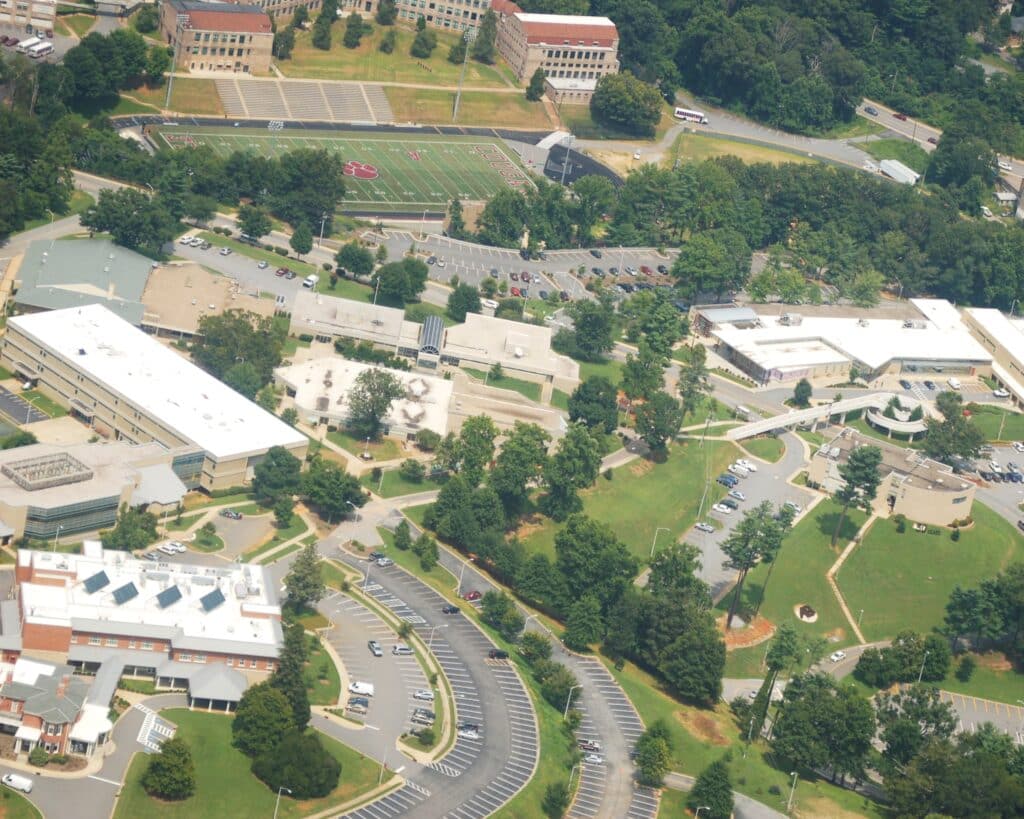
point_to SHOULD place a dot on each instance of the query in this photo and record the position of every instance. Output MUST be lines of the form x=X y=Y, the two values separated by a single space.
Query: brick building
x=37 y=15
x=220 y=37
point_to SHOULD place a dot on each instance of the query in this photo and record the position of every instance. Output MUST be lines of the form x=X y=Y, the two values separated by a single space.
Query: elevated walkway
x=876 y=402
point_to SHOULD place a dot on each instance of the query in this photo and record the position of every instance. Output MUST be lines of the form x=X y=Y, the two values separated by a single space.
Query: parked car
x=736 y=469
x=929 y=384
x=424 y=694
x=722 y=509
x=262 y=265
x=593 y=759
x=225 y=251
x=230 y=514
x=836 y=656
x=645 y=270
x=563 y=295
x=728 y=480
x=932 y=141
x=543 y=294
x=375 y=648
x=384 y=562
x=729 y=503
x=432 y=260
x=591 y=745
x=662 y=269
x=472 y=595
x=497 y=654
x=376 y=555
x=280 y=271
x=704 y=527
x=613 y=271
x=494 y=273
x=905 y=384
x=401 y=650
x=901 y=117
x=290 y=274
x=1018 y=446
x=515 y=292
x=794 y=506
x=450 y=609
x=364 y=688
x=747 y=465
x=514 y=276
x=596 y=253
x=735 y=493
x=1000 y=393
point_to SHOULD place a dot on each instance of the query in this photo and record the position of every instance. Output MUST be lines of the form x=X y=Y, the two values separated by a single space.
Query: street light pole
x=462 y=571
x=568 y=701
x=323 y=221
x=354 y=509
x=565 y=161
x=653 y=542
x=277 y=804
x=430 y=642
x=792 y=790
x=860 y=617
x=924 y=659
x=699 y=809
x=56 y=536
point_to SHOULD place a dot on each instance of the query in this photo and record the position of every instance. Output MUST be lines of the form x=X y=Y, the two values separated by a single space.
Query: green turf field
x=383 y=172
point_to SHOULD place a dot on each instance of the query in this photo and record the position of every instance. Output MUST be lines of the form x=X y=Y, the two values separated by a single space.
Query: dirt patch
x=640 y=467
x=995 y=661
x=758 y=631
x=529 y=526
x=821 y=808
x=702 y=725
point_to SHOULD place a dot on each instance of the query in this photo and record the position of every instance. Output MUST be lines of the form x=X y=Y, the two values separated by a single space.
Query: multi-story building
x=127 y=385
x=219 y=37
x=168 y=621
x=49 y=491
x=564 y=46
x=37 y=15
x=286 y=8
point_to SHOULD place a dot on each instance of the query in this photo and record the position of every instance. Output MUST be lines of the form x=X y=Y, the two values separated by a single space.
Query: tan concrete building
x=220 y=37
x=127 y=385
x=1003 y=337
x=565 y=46
x=922 y=490
x=39 y=14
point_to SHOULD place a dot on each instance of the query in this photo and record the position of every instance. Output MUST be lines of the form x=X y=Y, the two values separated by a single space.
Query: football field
x=402 y=172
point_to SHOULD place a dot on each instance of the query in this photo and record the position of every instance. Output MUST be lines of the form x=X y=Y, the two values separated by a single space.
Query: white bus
x=691 y=116
x=40 y=50
x=25 y=45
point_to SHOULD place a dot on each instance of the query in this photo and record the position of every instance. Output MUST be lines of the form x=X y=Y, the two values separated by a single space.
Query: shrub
x=376 y=473
x=965 y=668
x=326 y=266
x=38 y=757
x=301 y=763
x=427 y=736
x=281 y=251
x=171 y=773
x=955 y=536
x=412 y=470
x=901 y=524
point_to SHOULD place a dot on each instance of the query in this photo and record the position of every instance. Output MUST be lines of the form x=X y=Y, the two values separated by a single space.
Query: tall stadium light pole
x=565 y=162
x=469 y=36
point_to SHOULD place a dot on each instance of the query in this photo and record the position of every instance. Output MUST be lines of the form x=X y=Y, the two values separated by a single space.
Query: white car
x=1000 y=393
x=440 y=262
x=704 y=527
x=994 y=466
x=735 y=493
x=794 y=506
x=423 y=694
x=1005 y=166
x=594 y=759
x=167 y=549
x=836 y=656
x=186 y=239
x=364 y=689
x=225 y=251
x=738 y=470
x=722 y=509
x=1018 y=446
x=263 y=265
x=178 y=546
x=747 y=465
x=384 y=562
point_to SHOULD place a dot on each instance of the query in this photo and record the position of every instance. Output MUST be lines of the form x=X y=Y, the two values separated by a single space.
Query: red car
x=472 y=595
x=901 y=117
x=515 y=291
x=646 y=270
x=933 y=141
x=281 y=271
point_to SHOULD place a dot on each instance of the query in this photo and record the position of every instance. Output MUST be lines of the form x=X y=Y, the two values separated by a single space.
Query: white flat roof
x=1007 y=333
x=245 y=587
x=873 y=342
x=185 y=399
x=337 y=316
x=570 y=84
x=322 y=386
x=513 y=343
x=564 y=19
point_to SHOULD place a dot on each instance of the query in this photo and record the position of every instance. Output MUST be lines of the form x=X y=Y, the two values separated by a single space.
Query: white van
x=25 y=45
x=18 y=782
x=310 y=281
x=364 y=688
x=40 y=50
x=954 y=383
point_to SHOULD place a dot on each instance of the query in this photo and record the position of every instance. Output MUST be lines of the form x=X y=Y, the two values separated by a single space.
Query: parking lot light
x=277 y=804
x=430 y=642
x=568 y=701
x=654 y=542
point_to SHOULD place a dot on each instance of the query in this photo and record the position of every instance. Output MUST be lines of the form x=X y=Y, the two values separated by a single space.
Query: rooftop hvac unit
x=518 y=352
x=834 y=453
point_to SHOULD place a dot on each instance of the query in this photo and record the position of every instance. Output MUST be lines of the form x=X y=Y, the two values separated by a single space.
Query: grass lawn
x=79 y=23
x=673 y=804
x=697 y=148
x=799 y=575
x=643 y=496
x=295 y=528
x=78 y=202
x=15 y=806
x=391 y=484
x=127 y=106
x=418 y=310
x=577 y=118
x=990 y=421
x=861 y=425
x=439 y=578
x=321 y=675
x=560 y=400
x=386 y=449
x=333 y=577
x=528 y=389
x=368 y=62
x=207 y=542
x=412 y=170
x=815 y=439
x=767 y=449
x=180 y=524
x=910 y=154
x=224 y=784
x=192 y=95
x=716 y=410
x=903 y=581
x=44 y=404
x=612 y=370
x=476 y=107
x=729 y=375
x=858 y=126
x=276 y=556
x=991 y=680
x=702 y=736
x=345 y=289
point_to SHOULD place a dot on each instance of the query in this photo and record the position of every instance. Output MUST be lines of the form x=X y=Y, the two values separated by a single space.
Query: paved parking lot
x=18 y=409
x=245 y=270
x=973 y=712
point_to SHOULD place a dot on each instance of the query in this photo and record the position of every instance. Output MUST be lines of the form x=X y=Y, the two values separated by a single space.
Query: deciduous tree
x=171 y=773
x=658 y=420
x=594 y=402
x=262 y=716
x=277 y=475
x=860 y=483
x=713 y=790
x=370 y=399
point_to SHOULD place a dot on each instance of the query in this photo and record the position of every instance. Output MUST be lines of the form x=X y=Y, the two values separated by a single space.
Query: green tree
x=18 y=438
x=757 y=535
x=584 y=626
x=558 y=685
x=593 y=560
x=289 y=679
x=134 y=530
x=353 y=31
x=299 y=17
x=595 y=403
x=370 y=399
x=713 y=790
x=427 y=440
x=556 y=800
x=457 y=52
x=658 y=420
x=386 y=13
x=244 y=379
x=236 y=337
x=535 y=89
x=290 y=416
x=412 y=470
x=653 y=755
x=534 y=646
x=147 y=20
x=262 y=716
x=499 y=611
x=158 y=61
x=301 y=763
x=642 y=373
x=624 y=102
x=284 y=43
x=284 y=511
x=401 y=282
x=486 y=35
x=301 y=240
x=304 y=583
x=463 y=299
x=456 y=221
x=421 y=23
x=331 y=490
x=254 y=221
x=802 y=393
x=475 y=448
x=909 y=718
x=594 y=324
x=355 y=259
x=277 y=475
x=519 y=466
x=694 y=381
x=423 y=44
x=403 y=536
x=574 y=466
x=860 y=483
x=388 y=41
x=132 y=218
x=594 y=197
x=955 y=435
x=425 y=548
x=171 y=774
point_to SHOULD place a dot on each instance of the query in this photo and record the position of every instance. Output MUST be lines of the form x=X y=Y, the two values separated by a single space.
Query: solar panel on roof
x=168 y=597
x=96 y=582
x=212 y=600
x=125 y=593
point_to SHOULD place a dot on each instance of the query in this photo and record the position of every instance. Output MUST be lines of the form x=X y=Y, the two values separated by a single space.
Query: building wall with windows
x=218 y=37
x=39 y=14
x=565 y=46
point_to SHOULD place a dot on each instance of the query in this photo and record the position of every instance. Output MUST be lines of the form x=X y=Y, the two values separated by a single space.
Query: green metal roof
x=77 y=272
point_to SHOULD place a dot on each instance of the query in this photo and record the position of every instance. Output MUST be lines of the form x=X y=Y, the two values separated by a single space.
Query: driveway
x=240 y=535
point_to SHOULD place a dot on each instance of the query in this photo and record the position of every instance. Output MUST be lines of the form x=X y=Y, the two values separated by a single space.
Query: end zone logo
x=360 y=170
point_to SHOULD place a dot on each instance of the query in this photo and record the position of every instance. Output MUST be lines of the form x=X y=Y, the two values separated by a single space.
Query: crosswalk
x=153 y=731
